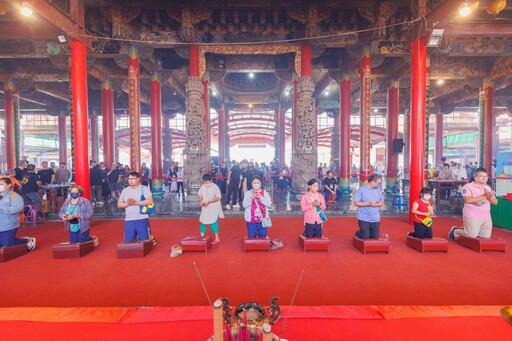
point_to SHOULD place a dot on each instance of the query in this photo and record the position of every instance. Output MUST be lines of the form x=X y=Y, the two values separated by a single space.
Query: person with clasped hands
x=76 y=212
x=476 y=213
x=368 y=199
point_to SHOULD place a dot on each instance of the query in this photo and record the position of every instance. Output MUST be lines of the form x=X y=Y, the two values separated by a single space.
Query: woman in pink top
x=309 y=203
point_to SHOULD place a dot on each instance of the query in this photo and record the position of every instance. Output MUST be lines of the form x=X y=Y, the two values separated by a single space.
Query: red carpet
x=343 y=276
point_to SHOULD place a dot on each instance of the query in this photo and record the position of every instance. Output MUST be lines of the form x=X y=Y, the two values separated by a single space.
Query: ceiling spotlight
x=435 y=37
x=62 y=39
x=251 y=74
x=250 y=105
x=326 y=93
x=375 y=110
x=26 y=9
x=464 y=9
x=440 y=81
x=287 y=93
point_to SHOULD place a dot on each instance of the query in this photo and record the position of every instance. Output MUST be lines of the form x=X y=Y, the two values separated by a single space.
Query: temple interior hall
x=417 y=92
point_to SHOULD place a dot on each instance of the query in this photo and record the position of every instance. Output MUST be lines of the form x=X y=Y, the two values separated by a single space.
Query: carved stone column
x=305 y=156
x=196 y=154
x=166 y=144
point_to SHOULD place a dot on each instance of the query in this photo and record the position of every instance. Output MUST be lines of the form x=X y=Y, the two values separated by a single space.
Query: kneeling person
x=309 y=203
x=11 y=205
x=368 y=199
x=136 y=224
x=76 y=212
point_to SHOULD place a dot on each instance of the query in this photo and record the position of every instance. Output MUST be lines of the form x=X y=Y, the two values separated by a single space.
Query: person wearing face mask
x=211 y=208
x=76 y=212
x=309 y=203
x=11 y=204
x=248 y=175
x=423 y=213
x=256 y=204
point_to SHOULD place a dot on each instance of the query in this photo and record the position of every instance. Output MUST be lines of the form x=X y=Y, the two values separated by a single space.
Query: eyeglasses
x=132 y=179
x=482 y=176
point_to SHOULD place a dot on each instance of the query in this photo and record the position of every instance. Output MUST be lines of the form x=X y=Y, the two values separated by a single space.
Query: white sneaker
x=228 y=206
x=31 y=244
x=236 y=207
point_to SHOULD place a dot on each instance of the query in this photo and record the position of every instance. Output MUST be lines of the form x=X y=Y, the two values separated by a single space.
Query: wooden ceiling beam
x=477 y=30
x=438 y=18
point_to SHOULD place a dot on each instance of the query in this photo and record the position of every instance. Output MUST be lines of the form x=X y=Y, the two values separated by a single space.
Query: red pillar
x=63 y=140
x=365 y=146
x=418 y=114
x=487 y=123
x=80 y=116
x=134 y=94
x=392 y=132
x=194 y=60
x=282 y=136
x=222 y=135
x=156 y=131
x=107 y=108
x=305 y=60
x=345 y=149
x=439 y=133
x=94 y=136
x=10 y=132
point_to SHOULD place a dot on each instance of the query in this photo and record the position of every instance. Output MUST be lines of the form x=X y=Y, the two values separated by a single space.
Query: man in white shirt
x=459 y=173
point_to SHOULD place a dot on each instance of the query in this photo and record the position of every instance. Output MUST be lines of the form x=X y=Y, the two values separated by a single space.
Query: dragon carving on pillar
x=196 y=155
x=305 y=156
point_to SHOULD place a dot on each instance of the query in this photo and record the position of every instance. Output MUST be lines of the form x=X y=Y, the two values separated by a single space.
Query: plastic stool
x=400 y=201
x=32 y=215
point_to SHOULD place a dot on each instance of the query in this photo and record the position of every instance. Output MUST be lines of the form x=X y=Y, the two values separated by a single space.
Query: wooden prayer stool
x=314 y=244
x=372 y=245
x=256 y=244
x=196 y=243
x=483 y=244
x=427 y=244
x=134 y=250
x=72 y=250
x=11 y=252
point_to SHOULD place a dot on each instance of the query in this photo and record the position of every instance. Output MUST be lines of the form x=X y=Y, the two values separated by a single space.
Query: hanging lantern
x=496 y=6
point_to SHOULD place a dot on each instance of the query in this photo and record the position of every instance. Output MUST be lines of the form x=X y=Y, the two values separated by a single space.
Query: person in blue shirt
x=368 y=199
x=11 y=205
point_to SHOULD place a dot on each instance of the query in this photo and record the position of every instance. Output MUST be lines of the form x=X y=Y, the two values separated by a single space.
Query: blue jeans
x=136 y=228
x=79 y=237
x=368 y=230
x=256 y=230
x=8 y=238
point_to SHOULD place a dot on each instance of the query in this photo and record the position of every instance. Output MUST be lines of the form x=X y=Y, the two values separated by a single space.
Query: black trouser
x=232 y=192
x=421 y=231
x=368 y=230
x=180 y=185
x=313 y=230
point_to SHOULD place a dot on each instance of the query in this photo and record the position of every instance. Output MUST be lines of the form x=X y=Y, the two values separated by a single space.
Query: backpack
x=22 y=213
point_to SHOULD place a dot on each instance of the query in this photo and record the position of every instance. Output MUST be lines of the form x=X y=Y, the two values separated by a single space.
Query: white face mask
x=256 y=186
x=427 y=196
x=2 y=188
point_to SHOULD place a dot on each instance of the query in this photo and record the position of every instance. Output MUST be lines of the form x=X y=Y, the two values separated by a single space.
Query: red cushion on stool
x=314 y=244
x=196 y=243
x=134 y=250
x=256 y=244
x=69 y=250
x=427 y=244
x=11 y=252
x=372 y=245
x=483 y=244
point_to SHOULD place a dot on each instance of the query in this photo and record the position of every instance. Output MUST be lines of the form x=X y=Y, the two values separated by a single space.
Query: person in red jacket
x=423 y=213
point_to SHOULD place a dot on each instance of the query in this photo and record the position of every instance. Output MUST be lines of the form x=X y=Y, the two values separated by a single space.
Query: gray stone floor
x=283 y=203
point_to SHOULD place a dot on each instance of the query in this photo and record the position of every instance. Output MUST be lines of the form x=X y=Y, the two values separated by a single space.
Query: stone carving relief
x=305 y=155
x=196 y=155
